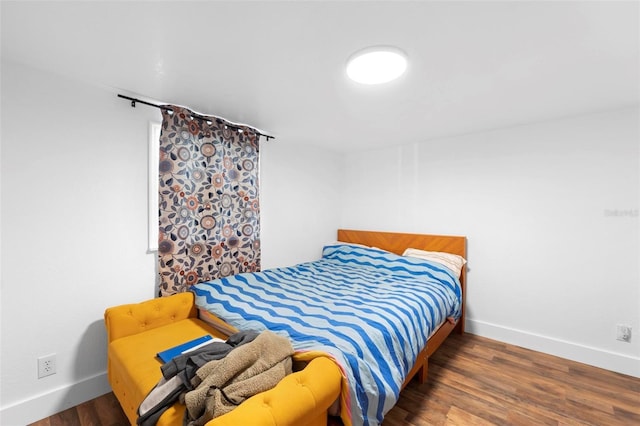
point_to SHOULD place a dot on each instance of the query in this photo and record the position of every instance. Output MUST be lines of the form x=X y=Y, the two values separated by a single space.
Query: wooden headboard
x=398 y=242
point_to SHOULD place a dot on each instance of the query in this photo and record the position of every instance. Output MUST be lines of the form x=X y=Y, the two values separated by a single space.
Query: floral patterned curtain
x=208 y=200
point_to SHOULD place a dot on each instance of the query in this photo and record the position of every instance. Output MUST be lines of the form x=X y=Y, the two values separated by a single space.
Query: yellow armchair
x=137 y=332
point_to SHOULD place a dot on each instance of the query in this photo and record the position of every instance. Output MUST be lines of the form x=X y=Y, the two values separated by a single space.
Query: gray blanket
x=221 y=385
x=177 y=375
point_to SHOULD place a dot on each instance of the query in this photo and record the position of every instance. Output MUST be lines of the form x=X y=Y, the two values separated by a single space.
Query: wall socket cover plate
x=46 y=366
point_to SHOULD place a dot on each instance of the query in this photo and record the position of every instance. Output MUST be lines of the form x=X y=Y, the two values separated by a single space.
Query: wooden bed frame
x=397 y=243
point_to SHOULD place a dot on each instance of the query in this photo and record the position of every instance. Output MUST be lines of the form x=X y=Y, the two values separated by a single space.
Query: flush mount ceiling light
x=377 y=65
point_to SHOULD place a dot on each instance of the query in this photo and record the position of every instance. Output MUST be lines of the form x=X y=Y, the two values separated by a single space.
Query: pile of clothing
x=216 y=378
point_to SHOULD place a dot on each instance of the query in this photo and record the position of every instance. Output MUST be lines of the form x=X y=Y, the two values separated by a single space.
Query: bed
x=378 y=314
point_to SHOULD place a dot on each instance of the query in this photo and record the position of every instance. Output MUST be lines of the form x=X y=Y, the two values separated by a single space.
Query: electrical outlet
x=623 y=333
x=46 y=366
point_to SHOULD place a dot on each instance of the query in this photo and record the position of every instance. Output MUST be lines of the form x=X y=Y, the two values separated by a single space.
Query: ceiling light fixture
x=377 y=65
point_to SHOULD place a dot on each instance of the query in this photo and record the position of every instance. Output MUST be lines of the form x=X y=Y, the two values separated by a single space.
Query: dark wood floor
x=102 y=411
x=477 y=381
x=474 y=381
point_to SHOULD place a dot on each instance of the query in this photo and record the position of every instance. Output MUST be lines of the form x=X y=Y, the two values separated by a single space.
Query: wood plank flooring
x=474 y=381
x=102 y=411
x=477 y=381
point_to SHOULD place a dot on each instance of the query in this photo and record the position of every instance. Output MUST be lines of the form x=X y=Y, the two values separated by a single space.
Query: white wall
x=74 y=229
x=300 y=193
x=74 y=201
x=551 y=265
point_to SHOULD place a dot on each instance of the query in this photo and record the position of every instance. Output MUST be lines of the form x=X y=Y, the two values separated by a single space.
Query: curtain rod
x=134 y=101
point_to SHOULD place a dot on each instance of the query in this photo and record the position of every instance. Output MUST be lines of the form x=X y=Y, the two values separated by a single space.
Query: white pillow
x=451 y=261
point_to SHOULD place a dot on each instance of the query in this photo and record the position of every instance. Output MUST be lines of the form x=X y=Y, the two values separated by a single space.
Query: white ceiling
x=279 y=66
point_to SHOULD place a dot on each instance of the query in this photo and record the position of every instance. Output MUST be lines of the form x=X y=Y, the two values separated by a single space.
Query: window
x=154 y=148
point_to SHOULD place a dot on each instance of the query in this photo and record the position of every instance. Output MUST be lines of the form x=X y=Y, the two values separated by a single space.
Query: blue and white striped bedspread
x=371 y=310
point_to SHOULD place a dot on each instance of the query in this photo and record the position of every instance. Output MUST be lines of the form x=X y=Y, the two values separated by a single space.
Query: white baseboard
x=619 y=363
x=46 y=404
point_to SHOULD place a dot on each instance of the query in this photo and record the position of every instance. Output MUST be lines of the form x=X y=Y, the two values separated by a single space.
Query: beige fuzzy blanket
x=223 y=384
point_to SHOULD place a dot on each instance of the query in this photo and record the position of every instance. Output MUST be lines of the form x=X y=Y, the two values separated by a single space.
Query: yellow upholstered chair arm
x=301 y=398
x=126 y=320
